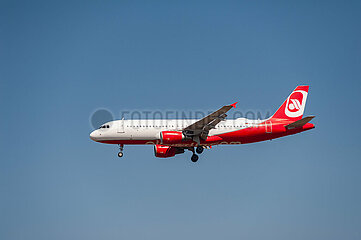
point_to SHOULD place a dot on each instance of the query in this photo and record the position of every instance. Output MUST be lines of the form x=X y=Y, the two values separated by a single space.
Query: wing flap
x=204 y=125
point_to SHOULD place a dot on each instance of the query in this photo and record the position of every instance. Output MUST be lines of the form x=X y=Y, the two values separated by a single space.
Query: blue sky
x=62 y=60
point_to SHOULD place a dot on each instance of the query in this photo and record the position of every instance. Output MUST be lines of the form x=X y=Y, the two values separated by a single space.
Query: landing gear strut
x=120 y=153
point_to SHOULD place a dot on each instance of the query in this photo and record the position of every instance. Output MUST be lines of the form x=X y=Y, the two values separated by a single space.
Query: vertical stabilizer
x=294 y=106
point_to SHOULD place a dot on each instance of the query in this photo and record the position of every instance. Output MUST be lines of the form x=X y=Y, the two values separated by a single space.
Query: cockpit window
x=104 y=126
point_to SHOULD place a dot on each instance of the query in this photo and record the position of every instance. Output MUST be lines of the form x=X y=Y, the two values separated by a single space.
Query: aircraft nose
x=93 y=135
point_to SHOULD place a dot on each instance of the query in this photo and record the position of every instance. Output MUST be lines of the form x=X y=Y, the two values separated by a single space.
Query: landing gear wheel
x=194 y=158
x=120 y=153
x=199 y=149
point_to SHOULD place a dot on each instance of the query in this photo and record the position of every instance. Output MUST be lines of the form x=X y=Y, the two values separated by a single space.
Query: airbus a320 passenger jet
x=171 y=137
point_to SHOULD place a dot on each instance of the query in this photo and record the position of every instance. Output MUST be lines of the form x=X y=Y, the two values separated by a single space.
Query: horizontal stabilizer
x=299 y=123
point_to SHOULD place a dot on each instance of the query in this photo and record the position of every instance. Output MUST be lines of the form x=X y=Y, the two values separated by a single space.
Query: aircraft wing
x=202 y=126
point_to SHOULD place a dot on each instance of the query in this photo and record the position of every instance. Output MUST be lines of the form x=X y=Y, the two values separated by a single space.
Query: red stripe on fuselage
x=248 y=135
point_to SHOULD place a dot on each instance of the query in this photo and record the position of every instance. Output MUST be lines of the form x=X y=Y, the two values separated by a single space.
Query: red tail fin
x=294 y=105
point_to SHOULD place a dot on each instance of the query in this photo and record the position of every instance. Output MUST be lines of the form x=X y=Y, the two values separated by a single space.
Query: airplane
x=173 y=136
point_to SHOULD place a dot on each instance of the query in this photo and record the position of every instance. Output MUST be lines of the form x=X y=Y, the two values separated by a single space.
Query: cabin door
x=268 y=125
x=121 y=126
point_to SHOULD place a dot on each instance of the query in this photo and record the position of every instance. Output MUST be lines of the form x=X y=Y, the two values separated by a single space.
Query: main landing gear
x=120 y=153
x=199 y=149
x=195 y=157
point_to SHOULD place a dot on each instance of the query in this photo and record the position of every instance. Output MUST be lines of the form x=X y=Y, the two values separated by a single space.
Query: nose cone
x=93 y=135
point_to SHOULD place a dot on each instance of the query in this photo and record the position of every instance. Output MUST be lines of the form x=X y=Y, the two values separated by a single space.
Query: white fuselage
x=150 y=129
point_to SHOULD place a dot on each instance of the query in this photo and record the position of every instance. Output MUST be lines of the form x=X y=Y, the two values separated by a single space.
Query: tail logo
x=295 y=104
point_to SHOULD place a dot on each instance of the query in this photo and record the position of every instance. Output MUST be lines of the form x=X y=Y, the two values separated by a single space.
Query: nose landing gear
x=120 y=153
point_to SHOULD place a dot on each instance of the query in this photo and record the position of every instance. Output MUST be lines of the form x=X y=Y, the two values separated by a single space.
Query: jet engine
x=171 y=137
x=162 y=151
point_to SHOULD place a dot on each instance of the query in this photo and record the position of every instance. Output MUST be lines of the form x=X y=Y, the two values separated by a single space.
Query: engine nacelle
x=171 y=137
x=162 y=151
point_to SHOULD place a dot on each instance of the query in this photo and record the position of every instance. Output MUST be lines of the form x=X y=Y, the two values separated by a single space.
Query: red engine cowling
x=162 y=151
x=171 y=137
